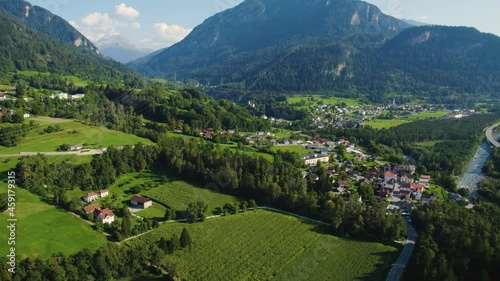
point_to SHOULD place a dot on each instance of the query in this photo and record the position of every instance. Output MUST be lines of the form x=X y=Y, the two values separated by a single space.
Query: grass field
x=164 y=190
x=292 y=148
x=178 y=194
x=385 y=124
x=428 y=143
x=264 y=245
x=325 y=100
x=441 y=192
x=97 y=137
x=43 y=230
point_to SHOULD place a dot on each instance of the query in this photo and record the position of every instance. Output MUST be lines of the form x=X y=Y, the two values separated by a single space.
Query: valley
x=336 y=146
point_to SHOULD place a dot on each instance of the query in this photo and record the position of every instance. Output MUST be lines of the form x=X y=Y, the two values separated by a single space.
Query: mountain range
x=38 y=40
x=330 y=45
x=47 y=23
x=121 y=49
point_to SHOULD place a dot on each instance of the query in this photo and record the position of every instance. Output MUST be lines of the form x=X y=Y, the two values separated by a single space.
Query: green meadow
x=42 y=229
x=92 y=136
x=262 y=245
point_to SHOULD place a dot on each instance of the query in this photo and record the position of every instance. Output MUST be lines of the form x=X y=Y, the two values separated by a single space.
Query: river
x=470 y=179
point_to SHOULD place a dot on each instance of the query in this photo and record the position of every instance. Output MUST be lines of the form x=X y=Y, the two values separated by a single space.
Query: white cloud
x=136 y=25
x=165 y=35
x=98 y=25
x=422 y=18
x=126 y=12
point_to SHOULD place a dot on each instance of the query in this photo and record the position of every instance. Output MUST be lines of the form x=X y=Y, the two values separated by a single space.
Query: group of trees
x=109 y=262
x=11 y=135
x=490 y=186
x=455 y=243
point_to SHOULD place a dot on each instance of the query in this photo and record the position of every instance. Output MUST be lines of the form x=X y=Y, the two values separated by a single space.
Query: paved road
x=491 y=138
x=400 y=265
x=79 y=153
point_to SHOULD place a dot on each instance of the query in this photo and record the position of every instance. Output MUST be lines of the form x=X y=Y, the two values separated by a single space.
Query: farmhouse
x=91 y=208
x=76 y=147
x=314 y=159
x=104 y=216
x=103 y=193
x=141 y=202
x=90 y=197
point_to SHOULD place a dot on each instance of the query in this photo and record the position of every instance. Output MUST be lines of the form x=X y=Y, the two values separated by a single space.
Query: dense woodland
x=109 y=262
x=490 y=186
x=455 y=243
x=23 y=48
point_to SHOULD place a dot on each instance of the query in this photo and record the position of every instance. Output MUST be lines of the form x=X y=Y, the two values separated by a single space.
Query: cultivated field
x=325 y=100
x=93 y=136
x=165 y=192
x=178 y=194
x=292 y=148
x=43 y=230
x=264 y=245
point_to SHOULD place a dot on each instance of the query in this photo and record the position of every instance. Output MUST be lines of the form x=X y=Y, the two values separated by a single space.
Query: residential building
x=314 y=158
x=141 y=202
x=90 y=197
x=104 y=216
x=91 y=208
x=425 y=179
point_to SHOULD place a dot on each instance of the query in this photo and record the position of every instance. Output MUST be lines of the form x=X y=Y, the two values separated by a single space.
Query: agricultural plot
x=93 y=136
x=292 y=148
x=321 y=99
x=178 y=194
x=263 y=245
x=43 y=230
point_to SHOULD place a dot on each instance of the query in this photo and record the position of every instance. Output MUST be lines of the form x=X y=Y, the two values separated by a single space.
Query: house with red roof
x=104 y=216
x=91 y=208
x=141 y=202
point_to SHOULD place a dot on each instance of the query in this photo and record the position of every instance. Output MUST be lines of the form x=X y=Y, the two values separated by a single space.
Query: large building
x=313 y=159
x=141 y=202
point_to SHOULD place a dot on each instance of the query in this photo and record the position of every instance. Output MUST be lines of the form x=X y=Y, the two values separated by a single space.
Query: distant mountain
x=121 y=49
x=414 y=23
x=47 y=23
x=23 y=48
x=342 y=46
x=242 y=41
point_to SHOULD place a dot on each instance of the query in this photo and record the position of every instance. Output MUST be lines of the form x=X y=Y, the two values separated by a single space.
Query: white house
x=104 y=216
x=77 y=96
x=90 y=197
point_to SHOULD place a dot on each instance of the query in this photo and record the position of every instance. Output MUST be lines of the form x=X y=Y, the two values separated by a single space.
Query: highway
x=491 y=137
x=400 y=265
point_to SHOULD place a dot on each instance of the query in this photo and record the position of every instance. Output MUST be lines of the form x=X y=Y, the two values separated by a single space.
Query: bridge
x=491 y=137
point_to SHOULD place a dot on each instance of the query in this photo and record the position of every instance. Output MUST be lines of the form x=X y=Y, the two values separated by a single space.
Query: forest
x=109 y=262
x=490 y=186
x=455 y=243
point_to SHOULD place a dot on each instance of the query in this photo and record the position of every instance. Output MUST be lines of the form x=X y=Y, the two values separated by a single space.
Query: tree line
x=455 y=243
x=109 y=262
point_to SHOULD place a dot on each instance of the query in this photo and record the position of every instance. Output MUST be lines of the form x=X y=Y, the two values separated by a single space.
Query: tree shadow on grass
x=383 y=268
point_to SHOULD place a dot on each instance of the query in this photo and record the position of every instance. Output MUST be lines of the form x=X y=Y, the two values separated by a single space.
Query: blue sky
x=160 y=23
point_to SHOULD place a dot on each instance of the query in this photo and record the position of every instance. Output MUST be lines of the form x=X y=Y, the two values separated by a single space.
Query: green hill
x=23 y=48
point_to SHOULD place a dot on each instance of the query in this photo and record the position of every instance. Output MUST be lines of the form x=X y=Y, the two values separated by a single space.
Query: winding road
x=491 y=138
x=400 y=265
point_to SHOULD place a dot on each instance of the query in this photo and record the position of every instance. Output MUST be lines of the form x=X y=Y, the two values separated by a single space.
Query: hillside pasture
x=262 y=245
x=91 y=136
x=43 y=230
